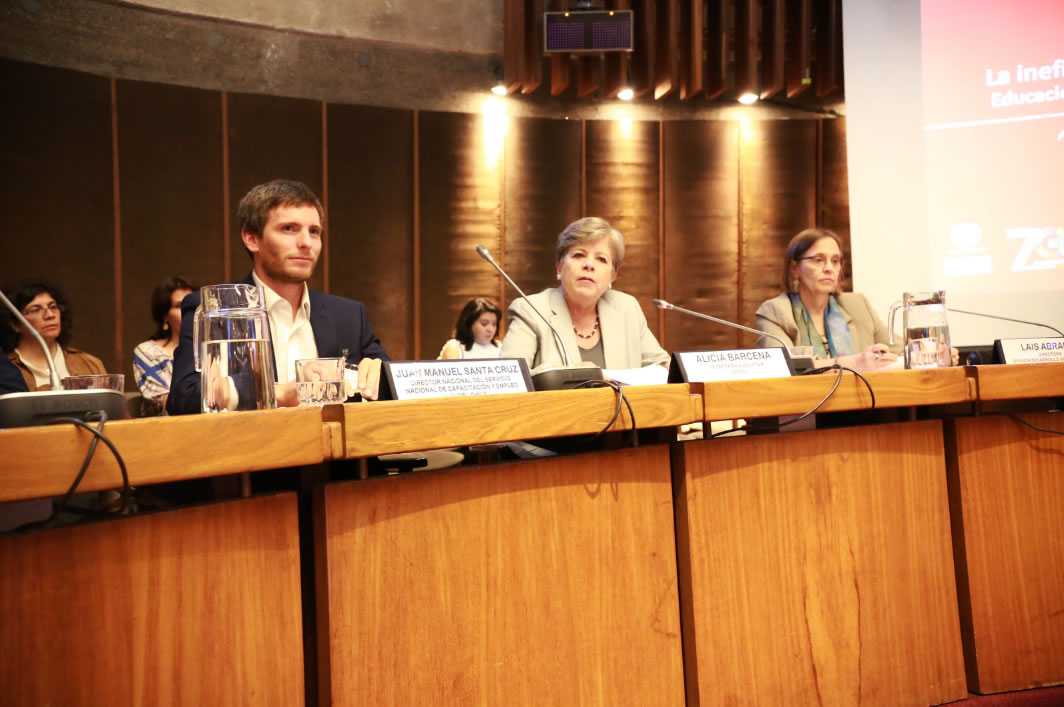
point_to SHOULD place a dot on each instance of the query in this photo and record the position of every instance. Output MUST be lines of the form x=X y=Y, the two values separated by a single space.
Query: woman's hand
x=875 y=358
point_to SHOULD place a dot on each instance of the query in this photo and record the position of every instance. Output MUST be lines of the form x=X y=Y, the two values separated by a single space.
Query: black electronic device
x=584 y=31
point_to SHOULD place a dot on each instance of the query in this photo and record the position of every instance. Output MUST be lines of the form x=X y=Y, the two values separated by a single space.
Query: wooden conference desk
x=816 y=566
x=1006 y=485
x=556 y=576
x=830 y=550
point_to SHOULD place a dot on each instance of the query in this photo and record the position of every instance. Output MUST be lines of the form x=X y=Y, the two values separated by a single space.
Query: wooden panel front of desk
x=547 y=582
x=197 y=606
x=816 y=568
x=1007 y=499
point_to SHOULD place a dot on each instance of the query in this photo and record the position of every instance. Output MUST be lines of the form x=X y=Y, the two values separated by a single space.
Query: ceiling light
x=748 y=98
x=626 y=94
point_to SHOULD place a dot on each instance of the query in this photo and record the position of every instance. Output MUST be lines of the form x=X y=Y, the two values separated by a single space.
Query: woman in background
x=476 y=333
x=596 y=323
x=47 y=310
x=153 y=360
x=842 y=327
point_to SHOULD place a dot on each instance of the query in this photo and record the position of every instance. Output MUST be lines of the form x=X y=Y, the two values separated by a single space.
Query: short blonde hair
x=589 y=230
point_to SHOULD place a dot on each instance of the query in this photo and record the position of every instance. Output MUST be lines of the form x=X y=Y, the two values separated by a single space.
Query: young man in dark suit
x=281 y=226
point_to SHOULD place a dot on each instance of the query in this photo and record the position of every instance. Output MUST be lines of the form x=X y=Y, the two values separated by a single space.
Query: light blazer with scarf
x=777 y=317
x=338 y=323
x=626 y=340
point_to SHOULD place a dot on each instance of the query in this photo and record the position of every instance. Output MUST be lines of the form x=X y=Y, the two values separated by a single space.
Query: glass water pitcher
x=231 y=344
x=926 y=331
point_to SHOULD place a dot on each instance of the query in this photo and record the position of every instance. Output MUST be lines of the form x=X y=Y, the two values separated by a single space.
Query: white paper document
x=648 y=375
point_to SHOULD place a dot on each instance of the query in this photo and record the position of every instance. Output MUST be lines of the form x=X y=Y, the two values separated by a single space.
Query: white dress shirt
x=290 y=332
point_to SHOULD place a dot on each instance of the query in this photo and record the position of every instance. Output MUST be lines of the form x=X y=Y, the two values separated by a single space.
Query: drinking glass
x=97 y=381
x=320 y=381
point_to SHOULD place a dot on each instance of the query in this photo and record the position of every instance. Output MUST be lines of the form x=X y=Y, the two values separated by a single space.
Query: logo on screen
x=965 y=236
x=1040 y=248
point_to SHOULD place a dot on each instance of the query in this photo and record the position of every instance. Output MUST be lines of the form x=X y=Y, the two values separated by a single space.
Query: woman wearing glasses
x=46 y=309
x=841 y=327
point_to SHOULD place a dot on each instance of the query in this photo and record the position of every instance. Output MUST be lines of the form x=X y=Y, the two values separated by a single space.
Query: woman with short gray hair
x=595 y=322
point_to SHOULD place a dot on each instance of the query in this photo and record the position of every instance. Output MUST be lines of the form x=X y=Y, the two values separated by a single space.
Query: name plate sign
x=741 y=364
x=419 y=380
x=1048 y=349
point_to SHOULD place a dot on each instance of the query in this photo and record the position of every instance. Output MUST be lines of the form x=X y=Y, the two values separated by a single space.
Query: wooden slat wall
x=622 y=187
x=706 y=206
x=459 y=205
x=58 y=188
x=170 y=179
x=542 y=197
x=701 y=222
x=833 y=191
x=770 y=40
x=778 y=183
x=371 y=222
x=271 y=138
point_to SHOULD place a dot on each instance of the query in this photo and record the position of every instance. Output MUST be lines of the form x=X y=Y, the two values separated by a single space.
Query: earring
x=794 y=285
x=559 y=275
x=166 y=326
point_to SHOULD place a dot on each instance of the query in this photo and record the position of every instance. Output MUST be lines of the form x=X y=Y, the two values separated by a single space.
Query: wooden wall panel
x=542 y=197
x=833 y=191
x=170 y=178
x=371 y=231
x=785 y=174
x=816 y=568
x=459 y=157
x=778 y=193
x=622 y=187
x=55 y=138
x=1007 y=499
x=701 y=201
x=552 y=583
x=198 y=606
x=271 y=138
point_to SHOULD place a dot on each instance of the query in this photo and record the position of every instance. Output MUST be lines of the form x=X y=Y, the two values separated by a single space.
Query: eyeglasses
x=822 y=260
x=36 y=310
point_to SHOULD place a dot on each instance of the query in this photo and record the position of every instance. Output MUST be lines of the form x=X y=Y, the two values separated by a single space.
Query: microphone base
x=802 y=364
x=37 y=408
x=565 y=378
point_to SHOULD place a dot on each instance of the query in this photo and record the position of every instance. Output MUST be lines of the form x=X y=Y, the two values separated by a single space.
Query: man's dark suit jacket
x=10 y=379
x=338 y=323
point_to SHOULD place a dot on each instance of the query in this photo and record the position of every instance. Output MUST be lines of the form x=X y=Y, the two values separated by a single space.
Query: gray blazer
x=776 y=316
x=626 y=340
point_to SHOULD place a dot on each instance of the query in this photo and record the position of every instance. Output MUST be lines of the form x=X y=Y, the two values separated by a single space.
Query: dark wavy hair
x=21 y=294
x=463 y=328
x=160 y=303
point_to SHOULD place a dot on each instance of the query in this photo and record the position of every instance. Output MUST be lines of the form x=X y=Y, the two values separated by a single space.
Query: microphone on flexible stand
x=555 y=377
x=975 y=355
x=1005 y=319
x=800 y=362
x=37 y=408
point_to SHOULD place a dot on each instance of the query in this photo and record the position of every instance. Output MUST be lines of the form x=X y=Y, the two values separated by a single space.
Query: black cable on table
x=97 y=436
x=621 y=398
x=834 y=387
